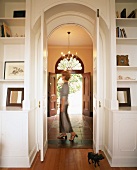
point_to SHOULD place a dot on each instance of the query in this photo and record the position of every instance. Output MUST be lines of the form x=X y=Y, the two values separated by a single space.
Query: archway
x=55 y=21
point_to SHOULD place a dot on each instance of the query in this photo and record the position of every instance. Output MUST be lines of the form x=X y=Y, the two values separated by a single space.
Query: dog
x=95 y=158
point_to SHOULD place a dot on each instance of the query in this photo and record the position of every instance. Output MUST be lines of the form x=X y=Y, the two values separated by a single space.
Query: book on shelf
x=133 y=14
x=124 y=33
x=123 y=13
x=120 y=32
x=5 y=30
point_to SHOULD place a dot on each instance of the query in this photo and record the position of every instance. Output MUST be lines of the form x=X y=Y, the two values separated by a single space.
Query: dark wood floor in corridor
x=68 y=159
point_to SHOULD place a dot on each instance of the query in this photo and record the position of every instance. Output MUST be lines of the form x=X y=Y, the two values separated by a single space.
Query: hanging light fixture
x=68 y=56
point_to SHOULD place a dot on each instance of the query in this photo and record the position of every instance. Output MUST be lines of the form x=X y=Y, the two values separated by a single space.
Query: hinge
x=39 y=104
x=97 y=12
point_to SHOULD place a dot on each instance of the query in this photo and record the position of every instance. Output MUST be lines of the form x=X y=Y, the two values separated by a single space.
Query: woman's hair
x=66 y=74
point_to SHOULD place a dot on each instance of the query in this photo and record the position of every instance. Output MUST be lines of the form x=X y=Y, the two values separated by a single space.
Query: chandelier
x=68 y=56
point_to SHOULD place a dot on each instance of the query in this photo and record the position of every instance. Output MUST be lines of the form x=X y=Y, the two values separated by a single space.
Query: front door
x=52 y=96
x=86 y=94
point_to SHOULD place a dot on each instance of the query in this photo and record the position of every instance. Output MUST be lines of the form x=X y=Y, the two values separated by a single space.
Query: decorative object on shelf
x=19 y=14
x=15 y=96
x=5 y=30
x=120 y=77
x=123 y=13
x=117 y=14
x=122 y=60
x=125 y=78
x=123 y=97
x=129 y=78
x=14 y=70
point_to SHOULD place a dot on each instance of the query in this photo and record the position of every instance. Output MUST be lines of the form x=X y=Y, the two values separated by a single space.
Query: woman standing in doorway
x=64 y=121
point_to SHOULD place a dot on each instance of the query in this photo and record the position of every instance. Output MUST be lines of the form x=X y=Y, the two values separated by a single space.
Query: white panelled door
x=43 y=94
x=96 y=84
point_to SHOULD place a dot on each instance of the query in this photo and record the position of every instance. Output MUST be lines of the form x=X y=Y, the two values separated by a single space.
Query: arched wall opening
x=53 y=19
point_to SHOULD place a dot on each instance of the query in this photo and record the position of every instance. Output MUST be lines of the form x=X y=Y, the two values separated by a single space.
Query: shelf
x=126 y=22
x=11 y=81
x=12 y=40
x=126 y=67
x=13 y=21
x=126 y=40
x=126 y=80
x=126 y=1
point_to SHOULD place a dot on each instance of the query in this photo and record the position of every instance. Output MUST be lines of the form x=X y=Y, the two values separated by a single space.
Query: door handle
x=99 y=103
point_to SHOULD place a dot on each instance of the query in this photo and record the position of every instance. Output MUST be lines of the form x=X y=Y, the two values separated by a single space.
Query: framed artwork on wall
x=15 y=96
x=122 y=60
x=123 y=97
x=14 y=70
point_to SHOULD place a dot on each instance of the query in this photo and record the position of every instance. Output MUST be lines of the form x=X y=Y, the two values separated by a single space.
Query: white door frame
x=56 y=22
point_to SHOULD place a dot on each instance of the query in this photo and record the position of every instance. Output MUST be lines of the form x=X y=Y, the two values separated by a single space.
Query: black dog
x=95 y=158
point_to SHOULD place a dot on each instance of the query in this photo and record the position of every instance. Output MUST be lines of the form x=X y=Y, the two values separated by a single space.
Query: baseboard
x=14 y=162
x=18 y=161
x=123 y=161
x=32 y=155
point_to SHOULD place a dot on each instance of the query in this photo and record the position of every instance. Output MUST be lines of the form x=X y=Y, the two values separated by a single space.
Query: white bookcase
x=11 y=48
x=127 y=75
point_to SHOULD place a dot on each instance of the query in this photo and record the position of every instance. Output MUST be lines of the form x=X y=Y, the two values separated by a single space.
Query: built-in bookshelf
x=12 y=41
x=126 y=44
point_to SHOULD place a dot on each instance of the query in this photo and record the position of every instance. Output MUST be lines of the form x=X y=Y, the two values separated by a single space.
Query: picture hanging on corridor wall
x=122 y=60
x=14 y=70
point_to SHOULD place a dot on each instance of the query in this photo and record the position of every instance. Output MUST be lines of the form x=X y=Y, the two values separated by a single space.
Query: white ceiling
x=77 y=37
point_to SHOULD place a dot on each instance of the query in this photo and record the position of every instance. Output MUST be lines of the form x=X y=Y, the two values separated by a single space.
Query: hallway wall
x=84 y=53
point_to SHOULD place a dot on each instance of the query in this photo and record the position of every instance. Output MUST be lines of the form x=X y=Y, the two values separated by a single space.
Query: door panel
x=86 y=94
x=96 y=85
x=52 y=94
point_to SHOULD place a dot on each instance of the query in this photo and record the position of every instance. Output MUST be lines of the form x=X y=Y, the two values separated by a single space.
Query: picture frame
x=14 y=70
x=6 y=32
x=15 y=96
x=122 y=60
x=123 y=97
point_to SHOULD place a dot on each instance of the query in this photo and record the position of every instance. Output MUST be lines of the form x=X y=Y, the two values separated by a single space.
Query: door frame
x=80 y=21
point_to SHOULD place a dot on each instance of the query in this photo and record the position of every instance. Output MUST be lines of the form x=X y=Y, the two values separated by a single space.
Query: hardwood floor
x=68 y=159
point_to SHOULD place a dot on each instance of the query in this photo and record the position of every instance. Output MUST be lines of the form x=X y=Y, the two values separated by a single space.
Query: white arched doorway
x=81 y=19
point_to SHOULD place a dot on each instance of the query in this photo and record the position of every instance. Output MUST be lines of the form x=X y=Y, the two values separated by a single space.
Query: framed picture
x=123 y=97
x=122 y=60
x=15 y=96
x=14 y=70
x=6 y=32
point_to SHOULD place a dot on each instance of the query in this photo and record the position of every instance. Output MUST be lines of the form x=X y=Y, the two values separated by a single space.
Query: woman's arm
x=62 y=104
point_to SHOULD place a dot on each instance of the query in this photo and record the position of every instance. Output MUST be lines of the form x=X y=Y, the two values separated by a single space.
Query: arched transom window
x=74 y=64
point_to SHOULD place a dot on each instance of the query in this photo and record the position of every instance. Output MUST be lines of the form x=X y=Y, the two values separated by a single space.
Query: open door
x=42 y=92
x=96 y=84
x=52 y=96
x=86 y=81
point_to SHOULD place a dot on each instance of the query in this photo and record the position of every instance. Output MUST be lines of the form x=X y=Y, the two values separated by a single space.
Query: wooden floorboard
x=68 y=159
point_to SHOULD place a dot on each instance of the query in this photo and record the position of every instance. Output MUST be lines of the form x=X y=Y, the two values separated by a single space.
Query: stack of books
x=121 y=32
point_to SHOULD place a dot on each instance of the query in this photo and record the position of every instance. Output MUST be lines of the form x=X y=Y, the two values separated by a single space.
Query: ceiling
x=77 y=37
